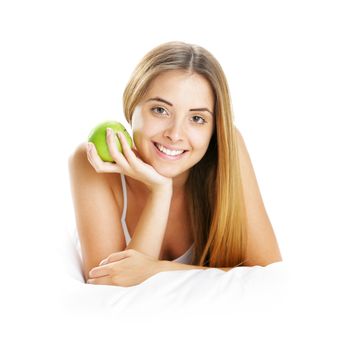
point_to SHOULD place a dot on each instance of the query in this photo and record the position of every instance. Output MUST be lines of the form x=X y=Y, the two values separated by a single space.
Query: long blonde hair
x=215 y=196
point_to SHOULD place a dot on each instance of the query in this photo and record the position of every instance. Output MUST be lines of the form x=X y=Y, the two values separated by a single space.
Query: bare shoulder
x=262 y=246
x=78 y=161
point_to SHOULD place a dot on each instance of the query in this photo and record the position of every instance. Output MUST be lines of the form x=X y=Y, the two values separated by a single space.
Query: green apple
x=99 y=134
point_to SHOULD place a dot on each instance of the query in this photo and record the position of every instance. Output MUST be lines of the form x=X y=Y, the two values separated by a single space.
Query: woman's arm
x=131 y=267
x=96 y=211
x=150 y=229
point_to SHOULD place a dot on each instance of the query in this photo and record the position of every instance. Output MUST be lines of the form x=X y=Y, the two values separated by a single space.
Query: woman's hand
x=126 y=268
x=128 y=163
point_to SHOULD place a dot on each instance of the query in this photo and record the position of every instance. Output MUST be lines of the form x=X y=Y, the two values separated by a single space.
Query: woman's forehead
x=177 y=76
x=180 y=85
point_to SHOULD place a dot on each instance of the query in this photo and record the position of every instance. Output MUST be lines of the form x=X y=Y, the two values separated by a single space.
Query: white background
x=64 y=65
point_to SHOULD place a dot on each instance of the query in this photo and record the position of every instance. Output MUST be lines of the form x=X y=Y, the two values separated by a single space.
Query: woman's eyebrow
x=159 y=99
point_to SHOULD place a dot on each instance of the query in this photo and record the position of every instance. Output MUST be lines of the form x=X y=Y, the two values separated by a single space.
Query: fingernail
x=102 y=262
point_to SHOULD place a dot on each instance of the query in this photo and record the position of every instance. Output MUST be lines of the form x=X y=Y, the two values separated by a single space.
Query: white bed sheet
x=244 y=288
x=272 y=307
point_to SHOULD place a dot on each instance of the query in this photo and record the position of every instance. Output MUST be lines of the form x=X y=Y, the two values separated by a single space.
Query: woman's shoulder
x=78 y=160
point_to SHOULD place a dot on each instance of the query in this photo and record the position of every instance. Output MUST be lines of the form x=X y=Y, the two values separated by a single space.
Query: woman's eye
x=162 y=111
x=158 y=110
x=199 y=120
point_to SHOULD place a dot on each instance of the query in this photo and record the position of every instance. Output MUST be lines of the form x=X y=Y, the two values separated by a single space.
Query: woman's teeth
x=168 y=151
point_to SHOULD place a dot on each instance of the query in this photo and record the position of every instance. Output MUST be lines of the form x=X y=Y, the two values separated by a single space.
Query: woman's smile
x=167 y=152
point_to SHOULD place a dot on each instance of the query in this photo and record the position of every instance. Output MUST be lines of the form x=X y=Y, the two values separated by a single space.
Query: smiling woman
x=185 y=196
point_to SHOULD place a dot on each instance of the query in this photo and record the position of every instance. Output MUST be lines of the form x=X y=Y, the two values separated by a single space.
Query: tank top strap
x=125 y=206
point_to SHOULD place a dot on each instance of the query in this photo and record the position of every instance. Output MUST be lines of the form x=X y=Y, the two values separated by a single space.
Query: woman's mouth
x=166 y=153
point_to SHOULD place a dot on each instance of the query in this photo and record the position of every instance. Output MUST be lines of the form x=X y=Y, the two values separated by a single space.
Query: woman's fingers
x=101 y=280
x=128 y=153
x=99 y=271
x=108 y=280
x=98 y=164
x=117 y=256
x=106 y=267
x=113 y=150
x=127 y=160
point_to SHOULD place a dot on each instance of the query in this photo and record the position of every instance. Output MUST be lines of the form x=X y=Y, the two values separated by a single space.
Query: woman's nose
x=174 y=132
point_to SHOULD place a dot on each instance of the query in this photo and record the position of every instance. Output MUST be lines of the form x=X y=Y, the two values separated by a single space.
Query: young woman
x=185 y=196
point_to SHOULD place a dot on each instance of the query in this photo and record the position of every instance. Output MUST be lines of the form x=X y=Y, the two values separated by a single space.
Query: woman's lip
x=165 y=156
x=169 y=147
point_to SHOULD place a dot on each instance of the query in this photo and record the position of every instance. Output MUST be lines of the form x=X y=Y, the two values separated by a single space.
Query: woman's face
x=173 y=123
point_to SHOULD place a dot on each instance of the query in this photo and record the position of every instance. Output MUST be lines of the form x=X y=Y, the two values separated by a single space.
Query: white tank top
x=186 y=258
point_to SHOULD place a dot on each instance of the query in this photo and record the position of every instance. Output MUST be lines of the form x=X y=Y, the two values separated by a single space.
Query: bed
x=170 y=304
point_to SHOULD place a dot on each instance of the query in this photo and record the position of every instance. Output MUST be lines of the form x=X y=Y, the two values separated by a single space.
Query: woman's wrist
x=163 y=189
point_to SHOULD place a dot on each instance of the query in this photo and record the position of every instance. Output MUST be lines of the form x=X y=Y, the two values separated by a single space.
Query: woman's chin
x=170 y=172
x=167 y=173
